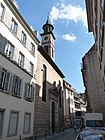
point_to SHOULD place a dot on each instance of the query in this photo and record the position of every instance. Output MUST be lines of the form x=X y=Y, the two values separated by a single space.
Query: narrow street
x=68 y=134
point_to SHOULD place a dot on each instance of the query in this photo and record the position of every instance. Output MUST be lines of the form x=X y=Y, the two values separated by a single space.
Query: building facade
x=94 y=62
x=49 y=87
x=74 y=105
x=69 y=106
x=18 y=56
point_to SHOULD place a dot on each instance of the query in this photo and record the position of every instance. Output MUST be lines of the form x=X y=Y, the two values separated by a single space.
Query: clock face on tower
x=46 y=38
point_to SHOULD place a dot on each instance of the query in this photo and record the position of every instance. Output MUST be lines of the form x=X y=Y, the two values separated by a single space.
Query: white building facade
x=18 y=56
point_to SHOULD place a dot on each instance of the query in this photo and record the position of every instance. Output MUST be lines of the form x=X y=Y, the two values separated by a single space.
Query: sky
x=70 y=29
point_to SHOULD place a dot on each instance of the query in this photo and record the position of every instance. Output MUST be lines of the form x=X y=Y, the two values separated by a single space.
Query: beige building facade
x=93 y=62
x=49 y=87
x=18 y=56
x=69 y=106
x=74 y=103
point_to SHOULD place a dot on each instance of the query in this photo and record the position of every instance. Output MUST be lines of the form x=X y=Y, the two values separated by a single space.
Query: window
x=17 y=86
x=52 y=52
x=4 y=80
x=14 y=26
x=2 y=10
x=21 y=59
x=69 y=110
x=1 y=121
x=32 y=49
x=31 y=67
x=46 y=48
x=44 y=84
x=29 y=92
x=23 y=38
x=60 y=90
x=60 y=97
x=69 y=100
x=13 y=123
x=27 y=122
x=9 y=50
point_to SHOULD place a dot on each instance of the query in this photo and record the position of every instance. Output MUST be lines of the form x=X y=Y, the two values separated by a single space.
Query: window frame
x=32 y=48
x=21 y=59
x=4 y=80
x=17 y=120
x=23 y=38
x=14 y=26
x=29 y=89
x=29 y=126
x=44 y=87
x=17 y=87
x=9 y=49
x=31 y=68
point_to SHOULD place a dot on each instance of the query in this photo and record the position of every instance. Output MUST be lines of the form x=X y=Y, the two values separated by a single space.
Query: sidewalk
x=66 y=133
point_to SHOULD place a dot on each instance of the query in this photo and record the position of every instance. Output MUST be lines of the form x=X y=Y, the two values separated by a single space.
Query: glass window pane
x=27 y=122
x=13 y=123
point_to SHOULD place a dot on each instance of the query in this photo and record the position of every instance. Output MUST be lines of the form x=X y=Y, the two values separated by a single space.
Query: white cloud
x=69 y=13
x=69 y=37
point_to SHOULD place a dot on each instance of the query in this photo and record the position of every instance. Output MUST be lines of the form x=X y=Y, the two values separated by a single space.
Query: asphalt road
x=68 y=134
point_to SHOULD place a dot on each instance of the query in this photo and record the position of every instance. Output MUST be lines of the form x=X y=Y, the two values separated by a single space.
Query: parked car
x=91 y=134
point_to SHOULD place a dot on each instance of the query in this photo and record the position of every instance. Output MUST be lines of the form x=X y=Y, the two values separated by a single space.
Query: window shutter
x=13 y=84
x=33 y=92
x=25 y=90
x=19 y=87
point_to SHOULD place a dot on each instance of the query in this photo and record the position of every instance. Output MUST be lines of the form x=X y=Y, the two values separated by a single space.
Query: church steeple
x=48 y=38
x=48 y=27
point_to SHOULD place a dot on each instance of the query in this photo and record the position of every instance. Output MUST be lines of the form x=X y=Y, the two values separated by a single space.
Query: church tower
x=48 y=39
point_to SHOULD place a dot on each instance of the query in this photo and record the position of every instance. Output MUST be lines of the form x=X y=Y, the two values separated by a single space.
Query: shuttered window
x=16 y=86
x=5 y=77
